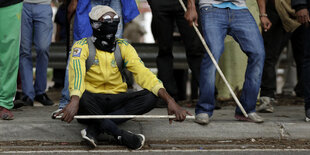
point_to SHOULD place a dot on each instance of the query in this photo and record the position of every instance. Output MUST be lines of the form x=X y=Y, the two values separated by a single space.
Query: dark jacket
x=300 y=4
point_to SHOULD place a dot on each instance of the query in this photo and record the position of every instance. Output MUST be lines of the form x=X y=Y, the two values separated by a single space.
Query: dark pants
x=274 y=40
x=165 y=14
x=306 y=67
x=136 y=103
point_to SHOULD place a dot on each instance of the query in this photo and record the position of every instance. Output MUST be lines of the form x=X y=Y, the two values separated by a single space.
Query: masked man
x=101 y=89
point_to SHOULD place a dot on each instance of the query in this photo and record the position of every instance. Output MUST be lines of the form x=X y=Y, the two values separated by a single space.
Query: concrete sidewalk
x=35 y=124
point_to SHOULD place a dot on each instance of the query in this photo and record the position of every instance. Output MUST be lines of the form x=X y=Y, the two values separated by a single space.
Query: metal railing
x=147 y=52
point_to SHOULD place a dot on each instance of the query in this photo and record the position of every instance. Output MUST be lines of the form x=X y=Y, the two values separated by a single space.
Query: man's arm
x=173 y=107
x=191 y=14
x=71 y=9
x=266 y=24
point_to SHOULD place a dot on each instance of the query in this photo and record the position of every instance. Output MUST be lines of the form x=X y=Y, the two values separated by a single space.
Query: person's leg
x=65 y=94
x=193 y=45
x=214 y=26
x=9 y=56
x=43 y=29
x=25 y=60
x=274 y=39
x=97 y=104
x=306 y=71
x=298 y=47
x=164 y=58
x=245 y=31
x=137 y=103
x=116 y=5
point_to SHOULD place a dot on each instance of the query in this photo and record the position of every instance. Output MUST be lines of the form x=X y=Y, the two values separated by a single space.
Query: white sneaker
x=202 y=118
x=265 y=104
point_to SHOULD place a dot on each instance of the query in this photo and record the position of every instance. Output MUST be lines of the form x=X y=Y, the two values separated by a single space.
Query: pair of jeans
x=274 y=40
x=306 y=68
x=165 y=15
x=37 y=29
x=216 y=24
x=135 y=103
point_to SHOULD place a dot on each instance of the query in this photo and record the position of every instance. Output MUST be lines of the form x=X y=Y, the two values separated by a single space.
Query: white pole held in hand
x=126 y=116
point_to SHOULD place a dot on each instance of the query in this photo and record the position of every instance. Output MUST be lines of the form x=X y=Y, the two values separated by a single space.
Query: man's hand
x=191 y=14
x=180 y=113
x=266 y=24
x=303 y=16
x=70 y=110
x=173 y=107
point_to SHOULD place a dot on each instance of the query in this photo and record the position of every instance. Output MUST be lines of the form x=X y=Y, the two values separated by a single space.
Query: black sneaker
x=27 y=101
x=131 y=140
x=91 y=141
x=43 y=99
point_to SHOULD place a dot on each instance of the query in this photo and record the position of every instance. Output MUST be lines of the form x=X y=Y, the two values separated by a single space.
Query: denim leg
x=246 y=33
x=306 y=67
x=214 y=27
x=65 y=94
x=117 y=7
x=25 y=64
x=43 y=29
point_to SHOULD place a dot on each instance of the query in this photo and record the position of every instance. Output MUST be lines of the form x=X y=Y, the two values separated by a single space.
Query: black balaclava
x=104 y=34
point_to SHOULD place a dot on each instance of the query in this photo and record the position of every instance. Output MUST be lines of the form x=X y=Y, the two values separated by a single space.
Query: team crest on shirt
x=113 y=63
x=76 y=52
x=96 y=62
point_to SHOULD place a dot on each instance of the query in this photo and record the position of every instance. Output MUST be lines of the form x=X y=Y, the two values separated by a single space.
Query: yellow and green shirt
x=104 y=76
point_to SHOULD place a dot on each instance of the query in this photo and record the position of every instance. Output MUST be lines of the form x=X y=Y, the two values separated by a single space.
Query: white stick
x=216 y=65
x=126 y=116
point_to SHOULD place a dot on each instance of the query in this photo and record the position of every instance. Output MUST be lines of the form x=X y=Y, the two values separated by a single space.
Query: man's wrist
x=263 y=15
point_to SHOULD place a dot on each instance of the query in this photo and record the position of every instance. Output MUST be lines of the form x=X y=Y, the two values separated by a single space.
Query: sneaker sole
x=90 y=142
x=143 y=141
x=201 y=122
x=241 y=118
x=307 y=119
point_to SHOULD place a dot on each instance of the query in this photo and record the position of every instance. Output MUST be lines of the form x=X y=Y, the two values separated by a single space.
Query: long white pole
x=216 y=65
x=126 y=116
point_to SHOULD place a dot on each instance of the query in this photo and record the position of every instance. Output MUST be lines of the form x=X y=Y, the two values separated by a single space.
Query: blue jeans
x=306 y=67
x=36 y=28
x=117 y=7
x=216 y=24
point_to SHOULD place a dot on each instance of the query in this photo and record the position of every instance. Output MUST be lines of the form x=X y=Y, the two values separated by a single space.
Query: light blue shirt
x=228 y=5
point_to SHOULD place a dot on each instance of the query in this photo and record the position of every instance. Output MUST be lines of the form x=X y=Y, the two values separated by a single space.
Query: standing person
x=37 y=29
x=302 y=8
x=219 y=18
x=165 y=14
x=10 y=16
x=94 y=92
x=284 y=27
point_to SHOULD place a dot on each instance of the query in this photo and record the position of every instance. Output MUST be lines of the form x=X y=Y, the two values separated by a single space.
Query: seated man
x=101 y=89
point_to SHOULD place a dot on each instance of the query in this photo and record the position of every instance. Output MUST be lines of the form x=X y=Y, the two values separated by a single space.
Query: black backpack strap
x=92 y=53
x=119 y=61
